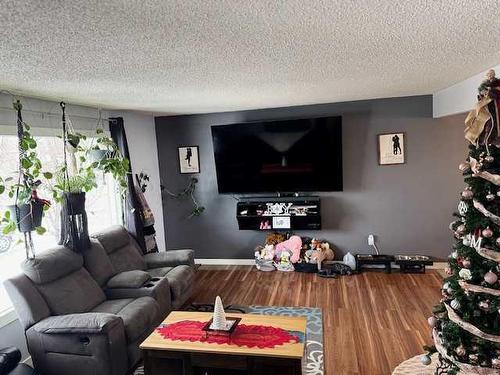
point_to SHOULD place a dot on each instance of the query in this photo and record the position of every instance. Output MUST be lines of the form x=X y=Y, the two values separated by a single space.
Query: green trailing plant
x=82 y=182
x=188 y=192
x=105 y=156
x=23 y=187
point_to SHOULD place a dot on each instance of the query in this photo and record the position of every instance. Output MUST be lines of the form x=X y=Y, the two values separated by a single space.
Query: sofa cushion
x=139 y=315
x=122 y=249
x=96 y=261
x=74 y=293
x=159 y=272
x=180 y=279
x=51 y=265
x=129 y=279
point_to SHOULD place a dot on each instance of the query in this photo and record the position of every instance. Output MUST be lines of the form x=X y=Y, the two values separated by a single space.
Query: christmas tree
x=466 y=323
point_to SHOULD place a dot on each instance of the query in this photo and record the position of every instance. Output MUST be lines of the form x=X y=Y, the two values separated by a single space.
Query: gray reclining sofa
x=88 y=314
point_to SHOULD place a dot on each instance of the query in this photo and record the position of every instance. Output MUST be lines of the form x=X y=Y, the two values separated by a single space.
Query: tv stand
x=279 y=213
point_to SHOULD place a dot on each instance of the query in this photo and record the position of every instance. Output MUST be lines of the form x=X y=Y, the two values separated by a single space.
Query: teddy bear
x=275 y=238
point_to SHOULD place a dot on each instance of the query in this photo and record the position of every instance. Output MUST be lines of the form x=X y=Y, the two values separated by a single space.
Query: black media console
x=279 y=213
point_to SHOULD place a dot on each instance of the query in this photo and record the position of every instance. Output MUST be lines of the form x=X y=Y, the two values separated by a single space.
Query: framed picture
x=281 y=222
x=391 y=148
x=189 y=159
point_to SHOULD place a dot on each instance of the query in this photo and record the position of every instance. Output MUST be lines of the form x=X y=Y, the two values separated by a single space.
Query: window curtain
x=131 y=210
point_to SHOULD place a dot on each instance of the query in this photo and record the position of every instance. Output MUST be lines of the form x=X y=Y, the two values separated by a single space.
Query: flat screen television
x=300 y=155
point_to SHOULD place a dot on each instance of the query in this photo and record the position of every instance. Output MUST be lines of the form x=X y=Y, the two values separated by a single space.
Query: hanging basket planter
x=28 y=216
x=74 y=225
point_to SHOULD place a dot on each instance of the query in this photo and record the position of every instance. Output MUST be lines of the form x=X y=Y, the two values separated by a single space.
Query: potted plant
x=27 y=211
x=104 y=155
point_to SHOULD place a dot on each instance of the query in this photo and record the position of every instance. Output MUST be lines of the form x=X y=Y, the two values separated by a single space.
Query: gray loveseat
x=88 y=314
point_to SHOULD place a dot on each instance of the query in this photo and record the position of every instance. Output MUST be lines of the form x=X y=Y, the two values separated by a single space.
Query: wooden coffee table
x=169 y=357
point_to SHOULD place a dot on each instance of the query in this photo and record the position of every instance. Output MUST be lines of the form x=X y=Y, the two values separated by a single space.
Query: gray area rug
x=313 y=363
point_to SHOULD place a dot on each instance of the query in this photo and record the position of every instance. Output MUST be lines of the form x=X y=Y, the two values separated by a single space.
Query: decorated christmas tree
x=466 y=323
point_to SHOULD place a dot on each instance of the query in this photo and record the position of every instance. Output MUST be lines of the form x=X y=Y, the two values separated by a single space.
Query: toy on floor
x=293 y=245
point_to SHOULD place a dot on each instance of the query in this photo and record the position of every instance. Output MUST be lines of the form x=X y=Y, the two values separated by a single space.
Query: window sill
x=7 y=316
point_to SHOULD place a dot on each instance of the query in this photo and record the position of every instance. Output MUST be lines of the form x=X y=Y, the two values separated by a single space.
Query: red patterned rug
x=244 y=334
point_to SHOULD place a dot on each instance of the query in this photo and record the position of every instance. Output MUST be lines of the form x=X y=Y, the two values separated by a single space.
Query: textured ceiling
x=218 y=55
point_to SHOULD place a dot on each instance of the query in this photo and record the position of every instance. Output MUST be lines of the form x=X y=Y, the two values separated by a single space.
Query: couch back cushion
x=122 y=249
x=97 y=262
x=66 y=286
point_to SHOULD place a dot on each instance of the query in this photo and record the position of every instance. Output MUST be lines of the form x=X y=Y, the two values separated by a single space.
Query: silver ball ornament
x=484 y=305
x=497 y=241
x=455 y=304
x=490 y=277
x=490 y=197
x=487 y=232
x=425 y=359
x=467 y=194
x=461 y=229
x=460 y=350
x=466 y=241
x=489 y=159
x=432 y=321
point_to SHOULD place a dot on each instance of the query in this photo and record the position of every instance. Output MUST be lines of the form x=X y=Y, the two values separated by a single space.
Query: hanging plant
x=105 y=156
x=26 y=213
x=188 y=192
x=73 y=181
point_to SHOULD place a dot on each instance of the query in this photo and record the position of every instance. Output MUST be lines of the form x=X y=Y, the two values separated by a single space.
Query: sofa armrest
x=88 y=323
x=170 y=258
x=9 y=358
x=129 y=279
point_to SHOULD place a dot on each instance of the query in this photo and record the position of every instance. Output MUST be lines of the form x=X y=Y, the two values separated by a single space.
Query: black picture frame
x=394 y=159
x=189 y=159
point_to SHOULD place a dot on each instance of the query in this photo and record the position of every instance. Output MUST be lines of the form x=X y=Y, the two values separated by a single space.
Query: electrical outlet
x=371 y=240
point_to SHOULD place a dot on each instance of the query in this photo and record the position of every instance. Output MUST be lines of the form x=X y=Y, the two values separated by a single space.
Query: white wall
x=141 y=137
x=460 y=97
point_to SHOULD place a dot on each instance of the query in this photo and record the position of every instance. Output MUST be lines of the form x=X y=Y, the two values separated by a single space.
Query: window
x=102 y=204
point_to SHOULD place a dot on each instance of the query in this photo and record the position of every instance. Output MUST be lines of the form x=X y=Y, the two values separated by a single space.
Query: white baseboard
x=226 y=262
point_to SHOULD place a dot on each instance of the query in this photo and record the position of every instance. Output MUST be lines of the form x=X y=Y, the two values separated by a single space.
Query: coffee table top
x=289 y=350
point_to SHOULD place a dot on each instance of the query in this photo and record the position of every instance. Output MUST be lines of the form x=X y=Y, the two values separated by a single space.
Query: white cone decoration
x=219 y=318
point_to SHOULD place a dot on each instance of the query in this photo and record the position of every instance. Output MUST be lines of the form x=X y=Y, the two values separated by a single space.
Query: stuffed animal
x=293 y=244
x=275 y=238
x=321 y=253
x=283 y=263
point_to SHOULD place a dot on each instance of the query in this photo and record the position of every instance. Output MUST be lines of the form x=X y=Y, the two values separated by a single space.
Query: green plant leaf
x=40 y=230
x=9 y=228
x=2 y=189
x=48 y=175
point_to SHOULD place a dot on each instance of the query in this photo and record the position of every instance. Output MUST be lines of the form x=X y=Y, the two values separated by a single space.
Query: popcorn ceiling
x=220 y=55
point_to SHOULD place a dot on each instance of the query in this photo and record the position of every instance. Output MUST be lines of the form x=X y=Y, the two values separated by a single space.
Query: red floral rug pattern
x=244 y=335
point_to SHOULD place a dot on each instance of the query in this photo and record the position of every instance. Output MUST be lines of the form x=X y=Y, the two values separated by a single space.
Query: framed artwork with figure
x=391 y=148
x=189 y=159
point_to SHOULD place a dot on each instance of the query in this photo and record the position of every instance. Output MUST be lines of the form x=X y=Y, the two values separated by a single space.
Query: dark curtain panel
x=131 y=209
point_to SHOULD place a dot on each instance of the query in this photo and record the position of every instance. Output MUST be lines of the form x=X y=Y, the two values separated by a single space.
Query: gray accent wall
x=407 y=207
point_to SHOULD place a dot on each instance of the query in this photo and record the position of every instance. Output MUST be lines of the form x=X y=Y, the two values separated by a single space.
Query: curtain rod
x=55 y=114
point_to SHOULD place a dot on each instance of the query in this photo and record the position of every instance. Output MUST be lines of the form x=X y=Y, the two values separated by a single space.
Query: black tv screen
x=299 y=155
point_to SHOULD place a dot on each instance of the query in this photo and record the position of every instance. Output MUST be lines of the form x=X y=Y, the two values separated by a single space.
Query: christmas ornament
x=464 y=166
x=466 y=241
x=446 y=285
x=467 y=194
x=454 y=255
x=463 y=207
x=498 y=193
x=473 y=358
x=455 y=304
x=465 y=274
x=490 y=277
x=460 y=350
x=488 y=233
x=219 y=317
x=497 y=242
x=490 y=197
x=432 y=321
x=461 y=229
x=488 y=159
x=484 y=305
x=425 y=359
x=466 y=263
x=448 y=271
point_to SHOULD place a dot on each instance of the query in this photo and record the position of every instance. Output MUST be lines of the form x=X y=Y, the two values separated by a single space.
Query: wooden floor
x=372 y=321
